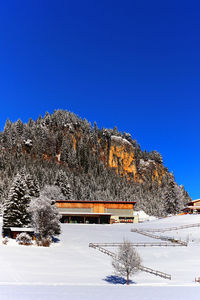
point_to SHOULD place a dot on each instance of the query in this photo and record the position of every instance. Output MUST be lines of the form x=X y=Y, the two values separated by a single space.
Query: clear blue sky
x=134 y=64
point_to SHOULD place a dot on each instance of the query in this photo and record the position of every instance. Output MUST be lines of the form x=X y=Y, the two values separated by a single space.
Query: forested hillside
x=87 y=163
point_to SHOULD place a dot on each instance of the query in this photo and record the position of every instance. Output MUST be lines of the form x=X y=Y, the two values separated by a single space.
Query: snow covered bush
x=44 y=218
x=127 y=261
x=24 y=239
x=5 y=241
x=44 y=242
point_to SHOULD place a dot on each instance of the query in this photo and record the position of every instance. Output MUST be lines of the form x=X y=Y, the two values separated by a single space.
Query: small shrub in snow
x=5 y=241
x=45 y=242
x=24 y=239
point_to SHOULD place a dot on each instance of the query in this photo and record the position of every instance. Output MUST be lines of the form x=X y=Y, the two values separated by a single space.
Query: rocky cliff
x=125 y=158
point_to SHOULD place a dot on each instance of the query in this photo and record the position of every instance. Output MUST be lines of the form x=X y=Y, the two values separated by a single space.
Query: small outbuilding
x=12 y=232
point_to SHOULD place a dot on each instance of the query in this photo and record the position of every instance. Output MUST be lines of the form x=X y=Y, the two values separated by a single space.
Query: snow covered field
x=72 y=270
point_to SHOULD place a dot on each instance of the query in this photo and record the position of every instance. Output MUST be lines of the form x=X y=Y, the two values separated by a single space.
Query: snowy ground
x=70 y=269
x=99 y=292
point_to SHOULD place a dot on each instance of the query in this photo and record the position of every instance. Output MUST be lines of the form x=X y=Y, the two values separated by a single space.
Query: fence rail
x=160 y=237
x=155 y=272
x=171 y=228
x=142 y=268
x=137 y=244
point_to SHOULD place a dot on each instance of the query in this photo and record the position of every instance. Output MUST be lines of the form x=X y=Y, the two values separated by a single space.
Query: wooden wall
x=96 y=207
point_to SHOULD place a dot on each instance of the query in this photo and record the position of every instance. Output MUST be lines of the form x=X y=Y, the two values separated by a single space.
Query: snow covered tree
x=127 y=261
x=174 y=198
x=185 y=196
x=44 y=217
x=19 y=127
x=15 y=212
x=63 y=183
x=33 y=186
x=65 y=149
x=52 y=192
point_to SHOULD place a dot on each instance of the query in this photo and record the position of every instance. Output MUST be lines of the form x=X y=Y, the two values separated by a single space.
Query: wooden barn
x=99 y=212
x=192 y=207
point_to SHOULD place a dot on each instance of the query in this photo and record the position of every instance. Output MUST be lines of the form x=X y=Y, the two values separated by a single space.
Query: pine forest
x=68 y=158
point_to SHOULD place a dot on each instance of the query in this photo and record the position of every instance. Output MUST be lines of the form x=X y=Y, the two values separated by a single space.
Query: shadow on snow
x=112 y=279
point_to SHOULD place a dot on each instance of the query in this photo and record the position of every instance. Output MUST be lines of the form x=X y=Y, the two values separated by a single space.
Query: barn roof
x=96 y=201
x=23 y=229
x=193 y=201
x=65 y=213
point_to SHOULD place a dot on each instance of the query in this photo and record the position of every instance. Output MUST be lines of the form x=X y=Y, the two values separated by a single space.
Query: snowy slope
x=72 y=266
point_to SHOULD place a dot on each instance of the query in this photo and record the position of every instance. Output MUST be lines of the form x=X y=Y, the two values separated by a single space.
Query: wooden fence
x=162 y=244
x=171 y=228
x=142 y=268
x=148 y=232
x=160 y=237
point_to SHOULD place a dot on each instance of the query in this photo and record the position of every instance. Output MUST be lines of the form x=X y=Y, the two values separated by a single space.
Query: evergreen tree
x=33 y=186
x=173 y=198
x=15 y=212
x=19 y=127
x=63 y=183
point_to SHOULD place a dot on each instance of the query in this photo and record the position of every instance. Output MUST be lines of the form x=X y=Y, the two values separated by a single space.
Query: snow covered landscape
x=99 y=150
x=70 y=268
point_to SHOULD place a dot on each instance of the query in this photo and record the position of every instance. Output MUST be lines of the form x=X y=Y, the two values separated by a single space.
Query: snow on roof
x=197 y=200
x=83 y=213
x=21 y=229
x=194 y=201
x=96 y=201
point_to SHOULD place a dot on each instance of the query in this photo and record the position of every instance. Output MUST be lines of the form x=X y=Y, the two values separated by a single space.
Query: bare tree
x=127 y=261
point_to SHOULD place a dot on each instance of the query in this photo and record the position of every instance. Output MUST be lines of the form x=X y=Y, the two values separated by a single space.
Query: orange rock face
x=121 y=160
x=118 y=154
